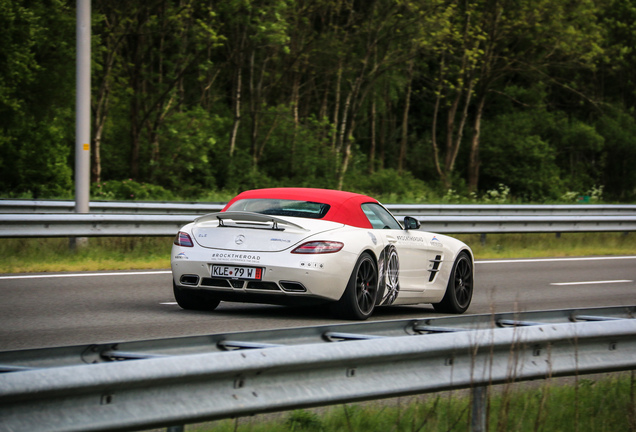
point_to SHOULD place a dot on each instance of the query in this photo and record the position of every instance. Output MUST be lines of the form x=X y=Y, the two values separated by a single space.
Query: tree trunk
x=436 y=156
x=135 y=106
x=346 y=129
x=101 y=111
x=405 y=119
x=473 y=159
x=462 y=125
x=342 y=137
x=254 y=101
x=295 y=102
x=336 y=108
x=237 y=111
x=373 y=137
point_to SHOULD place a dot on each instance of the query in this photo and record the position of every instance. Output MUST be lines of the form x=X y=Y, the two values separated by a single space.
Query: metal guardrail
x=513 y=209
x=142 y=207
x=127 y=207
x=90 y=225
x=222 y=376
x=23 y=218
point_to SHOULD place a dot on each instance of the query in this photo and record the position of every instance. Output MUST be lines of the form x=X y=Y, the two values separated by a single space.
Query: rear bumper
x=286 y=276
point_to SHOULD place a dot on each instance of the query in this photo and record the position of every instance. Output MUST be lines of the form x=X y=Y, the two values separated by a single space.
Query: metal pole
x=83 y=107
x=82 y=112
x=479 y=404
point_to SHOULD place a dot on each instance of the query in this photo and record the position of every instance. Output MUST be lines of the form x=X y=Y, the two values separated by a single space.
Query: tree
x=382 y=36
x=618 y=128
x=36 y=120
x=519 y=155
x=251 y=93
x=494 y=41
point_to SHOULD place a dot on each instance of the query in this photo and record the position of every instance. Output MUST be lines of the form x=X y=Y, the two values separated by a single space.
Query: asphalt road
x=68 y=309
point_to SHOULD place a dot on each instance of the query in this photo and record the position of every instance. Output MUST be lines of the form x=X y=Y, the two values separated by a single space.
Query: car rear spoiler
x=240 y=217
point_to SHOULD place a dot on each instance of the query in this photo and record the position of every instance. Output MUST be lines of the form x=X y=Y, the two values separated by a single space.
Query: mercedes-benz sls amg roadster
x=295 y=246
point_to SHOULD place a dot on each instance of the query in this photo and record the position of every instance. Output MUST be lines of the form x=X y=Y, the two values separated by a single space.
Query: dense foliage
x=405 y=97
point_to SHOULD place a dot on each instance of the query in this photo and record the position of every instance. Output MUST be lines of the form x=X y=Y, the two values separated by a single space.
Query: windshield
x=280 y=207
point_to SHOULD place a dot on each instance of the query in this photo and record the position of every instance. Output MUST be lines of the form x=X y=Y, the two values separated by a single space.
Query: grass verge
x=606 y=403
x=550 y=245
x=128 y=253
x=101 y=253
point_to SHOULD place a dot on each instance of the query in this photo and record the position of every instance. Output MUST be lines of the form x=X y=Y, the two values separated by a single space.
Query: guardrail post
x=479 y=405
x=77 y=243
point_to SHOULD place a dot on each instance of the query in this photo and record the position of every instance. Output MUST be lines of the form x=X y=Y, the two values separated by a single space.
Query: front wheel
x=359 y=298
x=459 y=291
x=191 y=299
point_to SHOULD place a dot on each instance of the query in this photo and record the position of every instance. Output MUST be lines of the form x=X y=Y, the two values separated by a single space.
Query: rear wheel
x=191 y=299
x=459 y=291
x=359 y=298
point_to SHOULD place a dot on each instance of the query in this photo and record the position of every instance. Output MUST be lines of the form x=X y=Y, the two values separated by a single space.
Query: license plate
x=236 y=272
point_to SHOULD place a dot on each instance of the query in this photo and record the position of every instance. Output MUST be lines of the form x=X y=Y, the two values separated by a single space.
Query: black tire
x=360 y=296
x=459 y=291
x=191 y=299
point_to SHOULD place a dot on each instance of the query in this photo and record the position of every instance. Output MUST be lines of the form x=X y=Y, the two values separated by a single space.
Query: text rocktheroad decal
x=236 y=257
x=410 y=238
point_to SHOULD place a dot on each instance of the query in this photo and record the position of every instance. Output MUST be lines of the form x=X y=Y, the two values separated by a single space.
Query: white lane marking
x=592 y=282
x=42 y=276
x=168 y=303
x=508 y=261
x=536 y=260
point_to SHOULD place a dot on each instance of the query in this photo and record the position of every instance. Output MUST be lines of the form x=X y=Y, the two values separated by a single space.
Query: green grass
x=550 y=245
x=107 y=253
x=127 y=253
x=604 y=404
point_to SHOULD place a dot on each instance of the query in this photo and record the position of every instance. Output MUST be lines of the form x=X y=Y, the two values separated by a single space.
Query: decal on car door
x=389 y=271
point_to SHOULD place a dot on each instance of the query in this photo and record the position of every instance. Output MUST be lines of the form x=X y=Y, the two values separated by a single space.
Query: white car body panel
x=253 y=242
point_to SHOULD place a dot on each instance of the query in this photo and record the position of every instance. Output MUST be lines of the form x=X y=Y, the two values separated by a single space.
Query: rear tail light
x=183 y=239
x=318 y=247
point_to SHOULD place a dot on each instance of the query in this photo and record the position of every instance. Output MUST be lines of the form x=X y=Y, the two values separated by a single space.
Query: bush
x=129 y=190
x=618 y=128
x=515 y=154
x=389 y=186
x=188 y=160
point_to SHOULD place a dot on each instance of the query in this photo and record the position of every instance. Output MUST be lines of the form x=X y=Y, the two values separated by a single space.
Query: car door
x=410 y=247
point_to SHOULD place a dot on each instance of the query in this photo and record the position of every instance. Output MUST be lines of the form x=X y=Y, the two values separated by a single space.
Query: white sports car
x=310 y=246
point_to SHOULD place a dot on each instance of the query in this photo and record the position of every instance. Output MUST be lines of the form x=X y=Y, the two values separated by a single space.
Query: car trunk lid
x=255 y=232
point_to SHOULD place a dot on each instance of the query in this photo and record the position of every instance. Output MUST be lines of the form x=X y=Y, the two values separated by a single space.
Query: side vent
x=435 y=269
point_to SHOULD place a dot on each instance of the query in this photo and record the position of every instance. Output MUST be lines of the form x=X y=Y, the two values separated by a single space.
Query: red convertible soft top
x=344 y=206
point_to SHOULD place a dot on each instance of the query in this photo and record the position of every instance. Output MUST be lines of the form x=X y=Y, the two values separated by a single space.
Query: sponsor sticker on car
x=237 y=272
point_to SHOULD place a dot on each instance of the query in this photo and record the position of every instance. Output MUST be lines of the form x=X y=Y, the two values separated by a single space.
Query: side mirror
x=410 y=223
